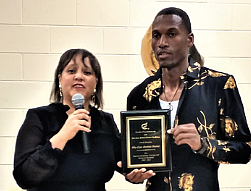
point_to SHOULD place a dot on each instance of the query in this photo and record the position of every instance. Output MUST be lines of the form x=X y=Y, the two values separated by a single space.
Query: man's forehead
x=167 y=20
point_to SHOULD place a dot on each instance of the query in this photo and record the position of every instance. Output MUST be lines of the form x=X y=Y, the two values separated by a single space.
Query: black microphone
x=78 y=101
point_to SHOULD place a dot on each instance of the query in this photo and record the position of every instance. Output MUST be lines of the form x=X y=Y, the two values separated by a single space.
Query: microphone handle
x=85 y=137
x=85 y=141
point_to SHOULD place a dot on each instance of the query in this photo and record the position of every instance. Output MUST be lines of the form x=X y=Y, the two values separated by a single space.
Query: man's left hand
x=186 y=134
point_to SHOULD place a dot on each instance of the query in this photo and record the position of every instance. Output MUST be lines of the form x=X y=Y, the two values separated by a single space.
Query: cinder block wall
x=34 y=33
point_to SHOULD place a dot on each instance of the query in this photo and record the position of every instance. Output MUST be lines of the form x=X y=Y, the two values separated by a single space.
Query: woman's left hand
x=137 y=175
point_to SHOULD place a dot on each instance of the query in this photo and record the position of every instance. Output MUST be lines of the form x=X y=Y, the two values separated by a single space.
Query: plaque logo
x=144 y=126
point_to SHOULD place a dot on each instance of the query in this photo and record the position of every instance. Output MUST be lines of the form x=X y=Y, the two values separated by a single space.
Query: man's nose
x=163 y=42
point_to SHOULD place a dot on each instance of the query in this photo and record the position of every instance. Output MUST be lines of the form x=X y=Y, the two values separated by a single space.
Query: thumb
x=169 y=131
x=119 y=164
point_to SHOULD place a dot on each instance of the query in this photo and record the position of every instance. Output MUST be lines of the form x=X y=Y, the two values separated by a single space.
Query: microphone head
x=78 y=100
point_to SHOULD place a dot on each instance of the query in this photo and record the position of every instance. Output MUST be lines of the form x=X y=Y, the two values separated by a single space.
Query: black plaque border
x=166 y=163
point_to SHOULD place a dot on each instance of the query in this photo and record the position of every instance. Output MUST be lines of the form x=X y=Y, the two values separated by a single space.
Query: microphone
x=78 y=101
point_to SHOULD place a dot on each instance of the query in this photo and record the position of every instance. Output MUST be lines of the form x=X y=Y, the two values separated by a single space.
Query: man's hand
x=186 y=134
x=137 y=175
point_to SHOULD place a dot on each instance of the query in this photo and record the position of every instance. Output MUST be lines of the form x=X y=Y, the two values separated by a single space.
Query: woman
x=49 y=153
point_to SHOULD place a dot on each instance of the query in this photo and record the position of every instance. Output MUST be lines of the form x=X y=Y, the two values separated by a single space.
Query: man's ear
x=190 y=39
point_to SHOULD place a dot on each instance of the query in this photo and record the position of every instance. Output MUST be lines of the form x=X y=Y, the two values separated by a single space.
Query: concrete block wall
x=34 y=33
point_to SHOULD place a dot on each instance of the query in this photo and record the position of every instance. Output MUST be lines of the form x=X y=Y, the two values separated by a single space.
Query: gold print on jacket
x=197 y=67
x=203 y=126
x=249 y=144
x=230 y=127
x=221 y=111
x=186 y=182
x=198 y=82
x=230 y=83
x=219 y=102
x=151 y=90
x=176 y=121
x=209 y=132
x=225 y=148
x=221 y=142
x=204 y=75
x=148 y=184
x=215 y=74
x=166 y=180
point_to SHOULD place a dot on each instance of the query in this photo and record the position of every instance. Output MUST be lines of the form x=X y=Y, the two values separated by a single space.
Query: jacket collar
x=193 y=70
x=154 y=86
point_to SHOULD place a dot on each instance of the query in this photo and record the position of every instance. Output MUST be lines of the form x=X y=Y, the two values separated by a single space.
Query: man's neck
x=171 y=77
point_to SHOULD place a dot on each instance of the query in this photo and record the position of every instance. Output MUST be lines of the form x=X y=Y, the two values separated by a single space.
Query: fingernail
x=168 y=131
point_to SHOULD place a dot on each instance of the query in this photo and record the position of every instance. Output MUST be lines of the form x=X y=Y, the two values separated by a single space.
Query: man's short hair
x=179 y=12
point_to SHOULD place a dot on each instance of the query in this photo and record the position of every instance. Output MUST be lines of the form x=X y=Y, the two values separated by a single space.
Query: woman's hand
x=137 y=175
x=79 y=120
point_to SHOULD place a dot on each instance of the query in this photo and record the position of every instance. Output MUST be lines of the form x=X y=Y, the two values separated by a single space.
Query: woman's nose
x=79 y=76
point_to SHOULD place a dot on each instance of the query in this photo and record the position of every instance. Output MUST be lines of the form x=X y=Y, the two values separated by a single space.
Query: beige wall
x=34 y=33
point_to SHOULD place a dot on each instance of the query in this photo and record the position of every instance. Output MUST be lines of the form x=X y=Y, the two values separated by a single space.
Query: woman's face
x=77 y=77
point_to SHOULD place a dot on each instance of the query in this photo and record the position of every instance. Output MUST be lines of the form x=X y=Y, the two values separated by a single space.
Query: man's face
x=170 y=41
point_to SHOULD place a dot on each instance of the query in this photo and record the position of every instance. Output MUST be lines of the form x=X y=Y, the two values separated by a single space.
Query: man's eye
x=155 y=36
x=172 y=34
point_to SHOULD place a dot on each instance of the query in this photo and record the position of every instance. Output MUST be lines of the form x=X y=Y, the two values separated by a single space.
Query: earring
x=60 y=91
x=93 y=97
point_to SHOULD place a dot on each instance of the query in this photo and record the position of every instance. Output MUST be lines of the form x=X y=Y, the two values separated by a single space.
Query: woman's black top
x=39 y=167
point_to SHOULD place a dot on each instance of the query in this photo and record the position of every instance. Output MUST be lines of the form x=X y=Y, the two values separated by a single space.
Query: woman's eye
x=71 y=71
x=87 y=73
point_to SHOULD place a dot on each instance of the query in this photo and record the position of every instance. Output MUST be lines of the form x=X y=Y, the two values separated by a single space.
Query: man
x=208 y=121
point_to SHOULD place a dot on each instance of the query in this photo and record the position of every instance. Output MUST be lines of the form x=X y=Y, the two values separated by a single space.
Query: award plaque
x=145 y=142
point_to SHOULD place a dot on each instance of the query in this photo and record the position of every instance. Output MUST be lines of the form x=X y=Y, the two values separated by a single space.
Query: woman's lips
x=78 y=86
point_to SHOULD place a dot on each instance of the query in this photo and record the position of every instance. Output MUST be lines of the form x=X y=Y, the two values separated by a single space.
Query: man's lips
x=163 y=54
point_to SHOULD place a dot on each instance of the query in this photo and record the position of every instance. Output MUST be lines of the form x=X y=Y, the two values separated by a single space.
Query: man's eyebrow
x=170 y=29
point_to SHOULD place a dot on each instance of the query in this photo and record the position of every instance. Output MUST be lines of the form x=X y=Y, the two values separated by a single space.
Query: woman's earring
x=93 y=97
x=60 y=91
